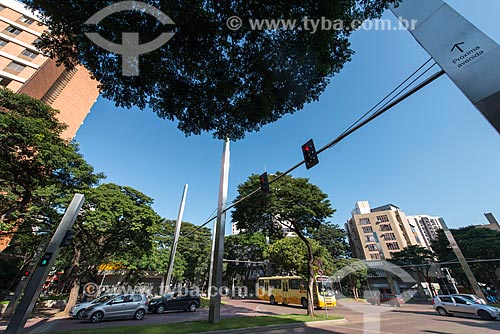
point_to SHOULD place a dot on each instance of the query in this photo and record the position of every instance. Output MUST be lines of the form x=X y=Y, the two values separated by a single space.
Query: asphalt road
x=360 y=318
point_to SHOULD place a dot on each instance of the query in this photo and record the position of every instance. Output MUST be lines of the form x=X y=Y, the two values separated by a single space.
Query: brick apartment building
x=25 y=69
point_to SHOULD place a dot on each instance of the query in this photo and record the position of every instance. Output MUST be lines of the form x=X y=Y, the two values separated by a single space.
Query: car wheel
x=192 y=307
x=441 y=311
x=79 y=315
x=272 y=300
x=160 y=309
x=139 y=314
x=373 y=303
x=303 y=302
x=97 y=317
x=484 y=315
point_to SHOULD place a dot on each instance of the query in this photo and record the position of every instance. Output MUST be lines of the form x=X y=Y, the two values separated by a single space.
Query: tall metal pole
x=461 y=259
x=218 y=255
x=210 y=274
x=176 y=238
x=34 y=287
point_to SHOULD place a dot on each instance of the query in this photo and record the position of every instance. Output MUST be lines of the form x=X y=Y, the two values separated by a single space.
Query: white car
x=449 y=305
x=77 y=310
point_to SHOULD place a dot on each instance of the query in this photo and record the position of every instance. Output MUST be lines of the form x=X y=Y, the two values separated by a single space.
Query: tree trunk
x=75 y=288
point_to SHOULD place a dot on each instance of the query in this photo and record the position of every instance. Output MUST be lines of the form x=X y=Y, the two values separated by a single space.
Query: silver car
x=122 y=306
x=449 y=305
x=77 y=310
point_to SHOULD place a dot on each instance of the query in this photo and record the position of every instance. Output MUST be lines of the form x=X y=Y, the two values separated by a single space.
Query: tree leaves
x=208 y=77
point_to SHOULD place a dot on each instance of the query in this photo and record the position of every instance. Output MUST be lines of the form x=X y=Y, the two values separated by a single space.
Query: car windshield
x=168 y=296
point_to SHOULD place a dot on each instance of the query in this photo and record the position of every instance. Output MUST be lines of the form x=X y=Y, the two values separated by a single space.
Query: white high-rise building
x=428 y=226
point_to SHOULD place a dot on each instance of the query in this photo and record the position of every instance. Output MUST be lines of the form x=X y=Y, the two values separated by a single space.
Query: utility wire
x=395 y=100
x=390 y=104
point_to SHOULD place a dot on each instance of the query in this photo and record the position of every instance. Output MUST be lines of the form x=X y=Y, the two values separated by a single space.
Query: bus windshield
x=325 y=286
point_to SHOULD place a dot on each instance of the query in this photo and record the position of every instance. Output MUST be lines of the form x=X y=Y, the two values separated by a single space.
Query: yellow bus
x=293 y=290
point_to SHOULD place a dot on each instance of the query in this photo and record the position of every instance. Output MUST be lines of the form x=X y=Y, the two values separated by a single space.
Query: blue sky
x=433 y=154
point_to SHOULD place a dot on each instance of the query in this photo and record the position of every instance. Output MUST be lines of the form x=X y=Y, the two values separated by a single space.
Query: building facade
x=388 y=221
x=25 y=69
x=428 y=227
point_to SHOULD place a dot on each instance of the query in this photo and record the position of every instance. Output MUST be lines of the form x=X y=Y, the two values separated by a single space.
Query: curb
x=258 y=329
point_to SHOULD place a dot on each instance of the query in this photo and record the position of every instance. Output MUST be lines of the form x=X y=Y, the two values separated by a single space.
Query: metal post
x=176 y=238
x=210 y=273
x=218 y=254
x=23 y=311
x=461 y=259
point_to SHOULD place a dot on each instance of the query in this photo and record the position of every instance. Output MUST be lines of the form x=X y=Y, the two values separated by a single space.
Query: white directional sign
x=468 y=56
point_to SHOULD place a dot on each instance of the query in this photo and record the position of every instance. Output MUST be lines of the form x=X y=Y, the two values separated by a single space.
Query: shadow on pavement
x=486 y=324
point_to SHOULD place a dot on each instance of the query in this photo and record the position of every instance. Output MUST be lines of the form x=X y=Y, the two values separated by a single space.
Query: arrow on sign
x=457 y=46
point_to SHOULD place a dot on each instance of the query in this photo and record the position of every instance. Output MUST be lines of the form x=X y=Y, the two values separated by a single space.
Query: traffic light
x=45 y=259
x=70 y=234
x=264 y=183
x=310 y=155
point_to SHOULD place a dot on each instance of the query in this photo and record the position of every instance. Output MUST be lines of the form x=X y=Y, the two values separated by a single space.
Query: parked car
x=122 y=306
x=474 y=298
x=391 y=299
x=449 y=305
x=187 y=301
x=77 y=310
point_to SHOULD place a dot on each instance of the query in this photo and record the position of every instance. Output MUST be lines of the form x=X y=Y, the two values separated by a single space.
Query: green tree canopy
x=333 y=238
x=476 y=244
x=208 y=77
x=289 y=257
x=37 y=168
x=293 y=204
x=244 y=247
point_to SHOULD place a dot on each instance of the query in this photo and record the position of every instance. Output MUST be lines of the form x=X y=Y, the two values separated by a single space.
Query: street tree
x=38 y=171
x=116 y=225
x=417 y=259
x=289 y=256
x=37 y=168
x=351 y=274
x=476 y=244
x=292 y=203
x=209 y=77
x=333 y=238
x=244 y=247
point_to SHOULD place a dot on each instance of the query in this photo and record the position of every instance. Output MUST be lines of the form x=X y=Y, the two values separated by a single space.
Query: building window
x=367 y=229
x=26 y=20
x=12 y=30
x=4 y=82
x=392 y=246
x=14 y=67
x=382 y=219
x=29 y=54
x=364 y=221
x=371 y=247
x=385 y=227
x=389 y=236
x=369 y=238
x=375 y=256
x=3 y=42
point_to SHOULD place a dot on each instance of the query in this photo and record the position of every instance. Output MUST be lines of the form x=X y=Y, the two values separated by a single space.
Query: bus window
x=294 y=284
